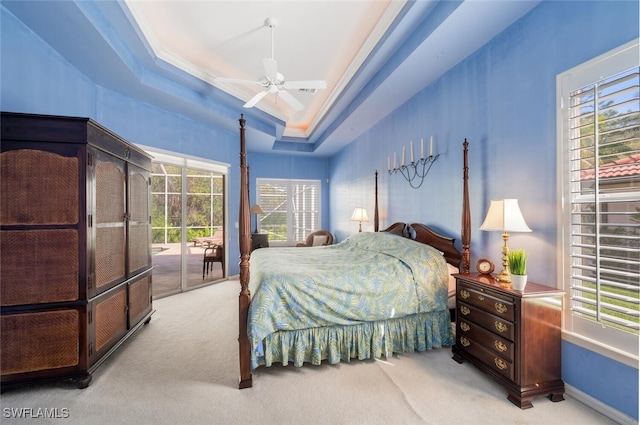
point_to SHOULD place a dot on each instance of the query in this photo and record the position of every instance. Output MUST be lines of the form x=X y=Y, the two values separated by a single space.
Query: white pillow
x=452 y=280
x=319 y=240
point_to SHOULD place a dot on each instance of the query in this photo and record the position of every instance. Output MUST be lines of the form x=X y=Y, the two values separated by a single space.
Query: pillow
x=452 y=280
x=451 y=296
x=319 y=240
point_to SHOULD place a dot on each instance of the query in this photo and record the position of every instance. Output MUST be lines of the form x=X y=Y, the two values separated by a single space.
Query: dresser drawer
x=488 y=339
x=492 y=360
x=495 y=324
x=499 y=306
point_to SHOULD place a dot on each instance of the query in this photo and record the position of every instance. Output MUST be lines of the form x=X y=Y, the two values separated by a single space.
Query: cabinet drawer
x=109 y=323
x=40 y=340
x=139 y=298
x=492 y=360
x=39 y=266
x=489 y=302
x=495 y=324
x=490 y=340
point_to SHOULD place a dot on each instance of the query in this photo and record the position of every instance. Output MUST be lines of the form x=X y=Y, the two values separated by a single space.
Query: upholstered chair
x=318 y=238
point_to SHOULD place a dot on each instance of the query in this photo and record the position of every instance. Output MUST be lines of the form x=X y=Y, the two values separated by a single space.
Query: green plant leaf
x=518 y=261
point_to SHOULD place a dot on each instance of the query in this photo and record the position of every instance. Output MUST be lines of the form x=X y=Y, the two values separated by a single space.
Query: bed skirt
x=419 y=332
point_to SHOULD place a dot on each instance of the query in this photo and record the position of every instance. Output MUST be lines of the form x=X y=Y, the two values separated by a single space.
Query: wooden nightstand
x=512 y=336
x=259 y=240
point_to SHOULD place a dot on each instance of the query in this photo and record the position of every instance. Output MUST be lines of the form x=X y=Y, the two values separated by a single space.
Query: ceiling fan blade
x=255 y=99
x=292 y=101
x=310 y=85
x=236 y=80
x=270 y=69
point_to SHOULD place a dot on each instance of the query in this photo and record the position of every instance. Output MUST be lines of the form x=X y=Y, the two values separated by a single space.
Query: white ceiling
x=313 y=40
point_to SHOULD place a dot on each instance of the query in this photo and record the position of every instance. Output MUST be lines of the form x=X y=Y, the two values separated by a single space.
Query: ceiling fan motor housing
x=270 y=22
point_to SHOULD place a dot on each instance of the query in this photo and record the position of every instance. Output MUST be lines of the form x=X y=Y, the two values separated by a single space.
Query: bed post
x=244 y=224
x=376 y=219
x=466 y=214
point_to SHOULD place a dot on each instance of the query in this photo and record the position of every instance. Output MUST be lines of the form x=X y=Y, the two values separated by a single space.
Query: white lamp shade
x=505 y=215
x=256 y=209
x=359 y=214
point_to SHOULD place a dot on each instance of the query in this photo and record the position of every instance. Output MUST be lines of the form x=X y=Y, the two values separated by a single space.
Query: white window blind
x=603 y=191
x=291 y=209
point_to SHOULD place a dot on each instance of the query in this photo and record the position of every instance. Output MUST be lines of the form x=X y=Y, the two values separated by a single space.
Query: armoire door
x=107 y=209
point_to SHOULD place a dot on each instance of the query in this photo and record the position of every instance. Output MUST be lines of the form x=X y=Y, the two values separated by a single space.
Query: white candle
x=421 y=148
x=431 y=147
x=394 y=161
x=388 y=164
x=403 y=155
x=412 y=160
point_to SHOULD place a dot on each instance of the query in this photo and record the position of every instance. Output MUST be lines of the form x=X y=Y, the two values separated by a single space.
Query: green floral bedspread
x=368 y=277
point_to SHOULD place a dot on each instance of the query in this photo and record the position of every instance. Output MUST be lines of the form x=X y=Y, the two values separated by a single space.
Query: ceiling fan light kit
x=274 y=82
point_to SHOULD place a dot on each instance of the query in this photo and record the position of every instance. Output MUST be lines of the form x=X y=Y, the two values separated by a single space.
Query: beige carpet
x=182 y=368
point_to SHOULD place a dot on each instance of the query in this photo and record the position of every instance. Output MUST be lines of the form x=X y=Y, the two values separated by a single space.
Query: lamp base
x=504 y=277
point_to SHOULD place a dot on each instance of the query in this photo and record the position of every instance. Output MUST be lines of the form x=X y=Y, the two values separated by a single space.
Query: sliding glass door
x=188 y=210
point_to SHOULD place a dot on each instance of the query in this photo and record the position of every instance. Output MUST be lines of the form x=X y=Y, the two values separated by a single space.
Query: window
x=204 y=202
x=599 y=164
x=291 y=209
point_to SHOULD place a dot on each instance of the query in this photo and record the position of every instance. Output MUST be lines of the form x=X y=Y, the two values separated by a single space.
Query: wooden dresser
x=76 y=248
x=513 y=336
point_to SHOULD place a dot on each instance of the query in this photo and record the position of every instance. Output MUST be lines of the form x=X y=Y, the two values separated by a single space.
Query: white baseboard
x=599 y=406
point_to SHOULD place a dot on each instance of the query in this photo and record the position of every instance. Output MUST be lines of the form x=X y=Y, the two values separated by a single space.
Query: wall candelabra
x=415 y=171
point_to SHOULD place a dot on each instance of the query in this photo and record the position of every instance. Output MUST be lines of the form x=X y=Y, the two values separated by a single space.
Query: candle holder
x=416 y=171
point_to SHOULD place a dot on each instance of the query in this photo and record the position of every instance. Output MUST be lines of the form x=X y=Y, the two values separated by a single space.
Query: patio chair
x=213 y=253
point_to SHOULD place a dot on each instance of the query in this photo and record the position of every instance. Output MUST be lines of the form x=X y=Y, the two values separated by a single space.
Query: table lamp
x=256 y=209
x=360 y=215
x=504 y=215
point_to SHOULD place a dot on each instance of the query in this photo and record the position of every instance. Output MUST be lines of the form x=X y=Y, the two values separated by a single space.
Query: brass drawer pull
x=465 y=326
x=500 y=326
x=464 y=294
x=500 y=364
x=481 y=297
x=501 y=308
x=501 y=346
x=465 y=310
x=464 y=341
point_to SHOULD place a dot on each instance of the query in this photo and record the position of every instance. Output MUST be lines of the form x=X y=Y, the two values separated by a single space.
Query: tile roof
x=625 y=167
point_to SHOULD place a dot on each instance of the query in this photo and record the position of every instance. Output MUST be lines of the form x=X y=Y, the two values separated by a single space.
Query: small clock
x=485 y=266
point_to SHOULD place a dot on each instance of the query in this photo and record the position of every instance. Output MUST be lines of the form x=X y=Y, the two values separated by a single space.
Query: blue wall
x=502 y=98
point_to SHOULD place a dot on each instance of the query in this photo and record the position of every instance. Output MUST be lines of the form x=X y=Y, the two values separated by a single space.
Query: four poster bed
x=371 y=295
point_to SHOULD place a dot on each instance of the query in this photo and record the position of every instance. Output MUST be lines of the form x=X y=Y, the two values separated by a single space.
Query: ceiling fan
x=274 y=82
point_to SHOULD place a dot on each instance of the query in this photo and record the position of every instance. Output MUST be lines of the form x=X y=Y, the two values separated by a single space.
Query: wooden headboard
x=422 y=233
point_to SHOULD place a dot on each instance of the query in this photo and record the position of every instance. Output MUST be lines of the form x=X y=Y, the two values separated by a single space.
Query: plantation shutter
x=291 y=209
x=304 y=208
x=273 y=198
x=605 y=202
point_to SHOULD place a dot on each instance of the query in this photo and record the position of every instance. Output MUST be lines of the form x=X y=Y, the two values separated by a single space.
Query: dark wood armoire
x=75 y=247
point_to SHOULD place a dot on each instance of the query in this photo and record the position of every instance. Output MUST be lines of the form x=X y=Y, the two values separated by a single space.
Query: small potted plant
x=518 y=267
